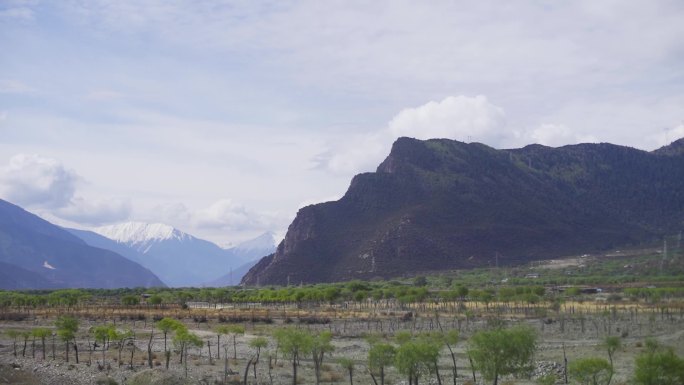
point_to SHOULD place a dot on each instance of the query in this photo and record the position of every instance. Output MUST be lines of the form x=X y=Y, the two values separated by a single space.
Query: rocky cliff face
x=442 y=204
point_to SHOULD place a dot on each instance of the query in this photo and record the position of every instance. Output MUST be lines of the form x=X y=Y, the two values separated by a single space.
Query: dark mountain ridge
x=443 y=204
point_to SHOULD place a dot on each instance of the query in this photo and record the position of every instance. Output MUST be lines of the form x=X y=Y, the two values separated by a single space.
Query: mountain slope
x=180 y=259
x=36 y=247
x=102 y=242
x=440 y=204
x=233 y=277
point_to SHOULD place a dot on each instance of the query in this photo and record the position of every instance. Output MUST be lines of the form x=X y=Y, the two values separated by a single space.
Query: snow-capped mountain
x=141 y=235
x=258 y=247
x=178 y=258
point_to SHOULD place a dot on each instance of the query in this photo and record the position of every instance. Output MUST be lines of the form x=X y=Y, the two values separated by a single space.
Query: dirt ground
x=553 y=336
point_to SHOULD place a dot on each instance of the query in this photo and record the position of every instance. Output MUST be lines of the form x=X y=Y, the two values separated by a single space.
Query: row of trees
x=493 y=353
x=354 y=291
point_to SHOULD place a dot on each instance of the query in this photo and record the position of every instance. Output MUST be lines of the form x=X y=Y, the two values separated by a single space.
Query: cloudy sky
x=223 y=118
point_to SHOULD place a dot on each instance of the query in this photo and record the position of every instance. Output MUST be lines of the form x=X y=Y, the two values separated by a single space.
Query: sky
x=223 y=118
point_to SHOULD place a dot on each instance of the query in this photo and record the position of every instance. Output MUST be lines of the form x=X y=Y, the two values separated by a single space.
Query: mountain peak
x=674 y=148
x=264 y=241
x=138 y=232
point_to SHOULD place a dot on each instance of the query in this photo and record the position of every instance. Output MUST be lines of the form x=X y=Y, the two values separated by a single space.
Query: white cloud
x=558 y=135
x=37 y=181
x=226 y=214
x=674 y=133
x=223 y=214
x=456 y=117
x=95 y=212
x=46 y=185
x=354 y=153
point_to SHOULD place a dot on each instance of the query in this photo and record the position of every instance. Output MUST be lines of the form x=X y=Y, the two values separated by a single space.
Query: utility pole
x=662 y=261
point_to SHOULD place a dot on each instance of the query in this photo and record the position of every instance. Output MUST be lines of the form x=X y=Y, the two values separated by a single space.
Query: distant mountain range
x=442 y=204
x=178 y=258
x=35 y=254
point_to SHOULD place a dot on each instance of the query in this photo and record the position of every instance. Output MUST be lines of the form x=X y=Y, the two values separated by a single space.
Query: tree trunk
x=149 y=350
x=375 y=382
x=53 y=347
x=256 y=361
x=294 y=370
x=351 y=379
x=14 y=346
x=121 y=346
x=23 y=351
x=167 y=355
x=218 y=346
x=439 y=378
x=42 y=340
x=184 y=351
x=33 y=348
x=225 y=365
x=565 y=365
x=454 y=370
x=247 y=370
x=130 y=362
x=234 y=348
x=76 y=350
x=67 y=351
x=472 y=368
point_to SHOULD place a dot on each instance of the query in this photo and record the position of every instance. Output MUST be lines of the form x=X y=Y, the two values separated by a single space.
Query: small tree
x=293 y=343
x=167 y=325
x=130 y=300
x=612 y=344
x=26 y=334
x=121 y=336
x=102 y=334
x=416 y=358
x=13 y=334
x=658 y=366
x=451 y=339
x=183 y=340
x=42 y=333
x=321 y=345
x=258 y=343
x=67 y=327
x=380 y=356
x=502 y=351
x=220 y=330
x=348 y=365
x=235 y=330
x=591 y=371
